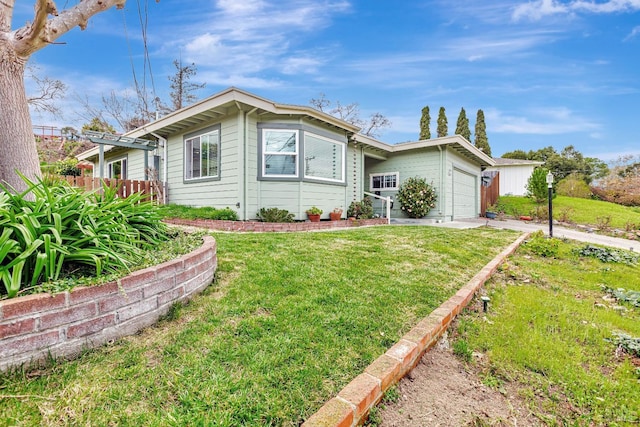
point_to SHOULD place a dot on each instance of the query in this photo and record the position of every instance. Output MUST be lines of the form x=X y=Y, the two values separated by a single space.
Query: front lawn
x=579 y=211
x=551 y=333
x=291 y=319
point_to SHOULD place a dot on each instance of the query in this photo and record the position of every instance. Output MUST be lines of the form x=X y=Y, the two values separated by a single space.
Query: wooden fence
x=126 y=187
x=490 y=190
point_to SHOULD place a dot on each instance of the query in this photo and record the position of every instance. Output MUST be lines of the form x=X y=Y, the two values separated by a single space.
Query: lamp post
x=550 y=185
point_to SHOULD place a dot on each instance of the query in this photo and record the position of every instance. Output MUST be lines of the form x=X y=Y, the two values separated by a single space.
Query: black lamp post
x=550 y=185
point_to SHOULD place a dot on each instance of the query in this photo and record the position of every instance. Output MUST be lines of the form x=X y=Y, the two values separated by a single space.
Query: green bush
x=537 y=187
x=542 y=246
x=275 y=215
x=574 y=186
x=361 y=210
x=60 y=228
x=188 y=212
x=416 y=197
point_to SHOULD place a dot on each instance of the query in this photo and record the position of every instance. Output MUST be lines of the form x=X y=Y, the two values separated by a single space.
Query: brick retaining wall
x=64 y=324
x=257 y=226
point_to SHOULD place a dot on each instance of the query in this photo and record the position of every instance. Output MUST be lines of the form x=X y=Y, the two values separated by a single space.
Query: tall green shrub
x=537 y=187
x=416 y=197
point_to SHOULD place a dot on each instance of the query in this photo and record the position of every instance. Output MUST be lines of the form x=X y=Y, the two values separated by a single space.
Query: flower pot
x=490 y=215
x=335 y=216
x=314 y=218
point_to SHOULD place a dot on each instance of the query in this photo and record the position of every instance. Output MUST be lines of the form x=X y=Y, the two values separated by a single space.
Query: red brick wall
x=34 y=326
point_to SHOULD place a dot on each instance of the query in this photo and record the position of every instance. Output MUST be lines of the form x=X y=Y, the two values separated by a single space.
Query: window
x=117 y=169
x=323 y=158
x=280 y=151
x=202 y=155
x=384 y=181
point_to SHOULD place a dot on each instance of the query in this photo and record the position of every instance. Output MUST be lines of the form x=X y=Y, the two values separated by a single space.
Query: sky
x=544 y=72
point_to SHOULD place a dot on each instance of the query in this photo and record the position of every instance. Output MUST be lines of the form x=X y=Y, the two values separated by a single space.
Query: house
x=238 y=150
x=514 y=175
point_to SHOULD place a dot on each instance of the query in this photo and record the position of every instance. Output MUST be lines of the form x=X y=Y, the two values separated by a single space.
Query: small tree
x=482 y=142
x=443 y=129
x=425 y=123
x=416 y=197
x=98 y=125
x=462 y=126
x=537 y=187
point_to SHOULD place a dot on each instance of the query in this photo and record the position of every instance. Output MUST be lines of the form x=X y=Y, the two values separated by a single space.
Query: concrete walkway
x=558 y=231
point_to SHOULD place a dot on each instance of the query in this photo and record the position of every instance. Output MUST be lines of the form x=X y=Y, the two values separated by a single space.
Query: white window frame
x=343 y=153
x=384 y=181
x=295 y=154
x=188 y=156
x=123 y=167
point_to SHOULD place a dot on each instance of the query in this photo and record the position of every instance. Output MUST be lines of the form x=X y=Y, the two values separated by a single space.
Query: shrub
x=188 y=212
x=361 y=210
x=607 y=255
x=63 y=228
x=542 y=246
x=274 y=215
x=537 y=187
x=574 y=186
x=416 y=197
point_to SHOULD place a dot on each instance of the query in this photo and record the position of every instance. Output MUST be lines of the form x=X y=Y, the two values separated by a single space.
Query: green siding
x=219 y=194
x=424 y=163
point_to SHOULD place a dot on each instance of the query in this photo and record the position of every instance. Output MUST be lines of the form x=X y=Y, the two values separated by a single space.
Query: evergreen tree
x=425 y=122
x=482 y=142
x=462 y=127
x=443 y=130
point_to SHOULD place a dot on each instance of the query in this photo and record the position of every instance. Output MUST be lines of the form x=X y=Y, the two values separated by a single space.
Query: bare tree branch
x=350 y=113
x=33 y=37
x=49 y=90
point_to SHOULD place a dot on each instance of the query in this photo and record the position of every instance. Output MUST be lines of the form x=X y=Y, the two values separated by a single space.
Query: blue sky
x=545 y=72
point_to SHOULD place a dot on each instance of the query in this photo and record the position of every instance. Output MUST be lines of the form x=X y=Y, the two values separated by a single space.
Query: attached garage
x=465 y=194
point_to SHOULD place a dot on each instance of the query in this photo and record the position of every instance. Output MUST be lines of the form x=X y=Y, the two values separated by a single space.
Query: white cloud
x=548 y=121
x=539 y=9
x=634 y=32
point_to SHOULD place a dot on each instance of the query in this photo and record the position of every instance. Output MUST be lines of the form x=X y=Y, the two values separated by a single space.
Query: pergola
x=104 y=138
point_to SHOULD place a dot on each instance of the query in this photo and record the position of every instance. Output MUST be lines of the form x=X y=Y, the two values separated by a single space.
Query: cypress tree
x=425 y=122
x=443 y=130
x=481 y=141
x=462 y=127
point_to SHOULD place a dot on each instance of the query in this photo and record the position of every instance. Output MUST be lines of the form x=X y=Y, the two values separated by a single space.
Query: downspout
x=165 y=169
x=442 y=180
x=245 y=200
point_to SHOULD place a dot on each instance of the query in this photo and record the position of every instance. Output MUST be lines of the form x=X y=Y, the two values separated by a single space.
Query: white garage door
x=465 y=195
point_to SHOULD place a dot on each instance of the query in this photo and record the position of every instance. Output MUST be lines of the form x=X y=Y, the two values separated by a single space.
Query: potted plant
x=314 y=214
x=336 y=214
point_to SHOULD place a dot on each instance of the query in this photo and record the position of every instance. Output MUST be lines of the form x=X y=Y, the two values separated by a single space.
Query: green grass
x=580 y=211
x=547 y=332
x=291 y=319
x=188 y=212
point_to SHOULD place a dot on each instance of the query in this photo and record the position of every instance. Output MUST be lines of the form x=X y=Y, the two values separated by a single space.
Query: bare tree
x=48 y=91
x=181 y=87
x=350 y=113
x=17 y=144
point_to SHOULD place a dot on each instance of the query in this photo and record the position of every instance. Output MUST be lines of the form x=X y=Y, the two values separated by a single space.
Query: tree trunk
x=17 y=143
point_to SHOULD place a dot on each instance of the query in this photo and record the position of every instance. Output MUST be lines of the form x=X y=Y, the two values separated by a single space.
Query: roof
x=218 y=106
x=515 y=162
x=456 y=142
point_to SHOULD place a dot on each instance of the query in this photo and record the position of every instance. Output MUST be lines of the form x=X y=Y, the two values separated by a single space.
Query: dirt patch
x=443 y=391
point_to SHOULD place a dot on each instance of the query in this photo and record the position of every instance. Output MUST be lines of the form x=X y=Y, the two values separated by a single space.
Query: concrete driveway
x=529 y=226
